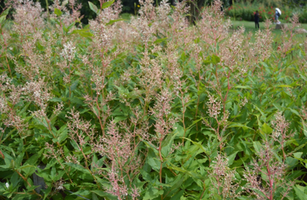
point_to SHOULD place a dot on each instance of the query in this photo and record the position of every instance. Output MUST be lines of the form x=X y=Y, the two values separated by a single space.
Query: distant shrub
x=302 y=14
x=246 y=11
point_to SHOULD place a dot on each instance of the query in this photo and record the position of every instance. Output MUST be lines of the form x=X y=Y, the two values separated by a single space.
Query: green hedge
x=243 y=11
x=302 y=13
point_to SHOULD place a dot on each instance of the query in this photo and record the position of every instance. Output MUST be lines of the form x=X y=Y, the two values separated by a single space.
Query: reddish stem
x=270 y=181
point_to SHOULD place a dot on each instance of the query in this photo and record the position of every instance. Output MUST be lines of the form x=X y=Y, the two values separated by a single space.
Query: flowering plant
x=150 y=108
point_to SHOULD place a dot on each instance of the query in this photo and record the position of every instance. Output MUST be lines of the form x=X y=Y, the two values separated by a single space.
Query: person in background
x=277 y=14
x=256 y=16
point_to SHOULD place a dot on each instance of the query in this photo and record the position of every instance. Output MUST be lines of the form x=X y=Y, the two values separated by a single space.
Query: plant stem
x=270 y=181
x=204 y=189
x=98 y=116
x=198 y=99
x=161 y=160
x=47 y=9
x=24 y=178
x=228 y=88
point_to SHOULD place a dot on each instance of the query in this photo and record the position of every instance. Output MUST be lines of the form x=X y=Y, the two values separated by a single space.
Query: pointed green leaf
x=58 y=12
x=102 y=194
x=33 y=159
x=19 y=159
x=299 y=191
x=6 y=12
x=153 y=161
x=2 y=19
x=113 y=21
x=231 y=158
x=93 y=7
x=266 y=128
x=152 y=193
x=28 y=169
x=257 y=146
x=78 y=167
x=107 y=4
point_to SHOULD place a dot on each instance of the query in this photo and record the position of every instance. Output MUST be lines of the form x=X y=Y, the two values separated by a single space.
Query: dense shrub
x=246 y=11
x=150 y=108
x=302 y=14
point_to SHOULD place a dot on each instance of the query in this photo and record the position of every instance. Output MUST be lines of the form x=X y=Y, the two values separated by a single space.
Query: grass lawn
x=250 y=27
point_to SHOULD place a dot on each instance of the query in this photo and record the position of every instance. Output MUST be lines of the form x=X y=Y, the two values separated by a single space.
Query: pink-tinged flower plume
x=266 y=174
x=69 y=51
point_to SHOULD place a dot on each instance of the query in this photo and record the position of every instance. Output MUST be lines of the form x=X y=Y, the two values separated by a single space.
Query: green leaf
x=262 y=115
x=86 y=34
x=231 y=158
x=58 y=12
x=76 y=100
x=75 y=145
x=102 y=194
x=178 y=195
x=94 y=196
x=257 y=146
x=266 y=128
x=7 y=160
x=179 y=130
x=153 y=160
x=78 y=167
x=82 y=193
x=167 y=144
x=214 y=59
x=199 y=145
x=298 y=155
x=50 y=164
x=70 y=26
x=19 y=159
x=291 y=162
x=74 y=85
x=93 y=7
x=83 y=33
x=55 y=99
x=2 y=19
x=62 y=134
x=3 y=15
x=44 y=174
x=287 y=86
x=243 y=87
x=157 y=41
x=15 y=179
x=53 y=173
x=28 y=169
x=6 y=12
x=299 y=191
x=239 y=125
x=120 y=118
x=177 y=183
x=67 y=29
x=33 y=159
x=113 y=21
x=107 y=4
x=295 y=112
x=152 y=193
x=22 y=197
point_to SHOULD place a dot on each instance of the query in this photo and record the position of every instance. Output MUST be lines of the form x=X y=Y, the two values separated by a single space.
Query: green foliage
x=170 y=112
x=302 y=13
x=93 y=7
x=246 y=11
